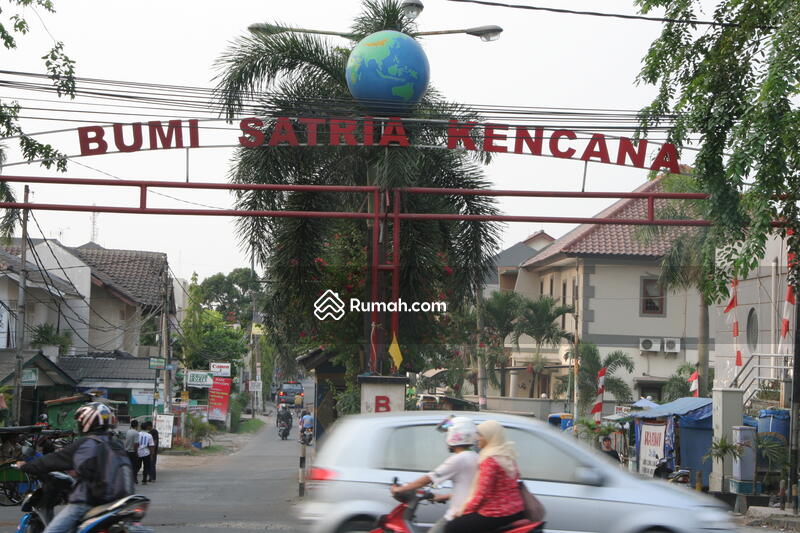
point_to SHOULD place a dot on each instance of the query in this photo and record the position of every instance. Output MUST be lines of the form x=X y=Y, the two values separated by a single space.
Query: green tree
x=305 y=76
x=677 y=385
x=734 y=87
x=590 y=363
x=231 y=294
x=500 y=313
x=690 y=263
x=60 y=68
x=206 y=336
x=538 y=319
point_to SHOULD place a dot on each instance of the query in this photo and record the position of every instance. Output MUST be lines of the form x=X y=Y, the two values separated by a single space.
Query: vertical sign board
x=164 y=428
x=222 y=370
x=218 y=398
x=651 y=447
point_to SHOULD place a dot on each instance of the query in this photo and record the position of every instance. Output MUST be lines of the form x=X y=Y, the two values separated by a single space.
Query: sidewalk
x=771 y=517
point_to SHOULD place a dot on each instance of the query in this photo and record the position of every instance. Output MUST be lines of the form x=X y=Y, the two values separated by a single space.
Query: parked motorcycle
x=120 y=516
x=401 y=518
x=663 y=471
x=283 y=430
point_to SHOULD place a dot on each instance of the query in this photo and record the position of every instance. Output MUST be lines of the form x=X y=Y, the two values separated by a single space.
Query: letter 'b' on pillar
x=383 y=394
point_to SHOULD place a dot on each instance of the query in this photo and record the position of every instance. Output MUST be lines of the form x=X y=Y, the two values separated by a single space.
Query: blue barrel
x=774 y=422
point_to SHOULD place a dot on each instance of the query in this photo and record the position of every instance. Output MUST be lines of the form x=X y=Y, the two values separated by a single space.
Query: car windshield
x=291 y=387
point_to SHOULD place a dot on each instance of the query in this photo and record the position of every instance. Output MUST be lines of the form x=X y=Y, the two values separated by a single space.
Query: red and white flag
x=597 y=409
x=730 y=310
x=694 y=384
x=785 y=345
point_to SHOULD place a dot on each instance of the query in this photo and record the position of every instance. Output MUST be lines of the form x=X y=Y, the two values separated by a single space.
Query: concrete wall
x=535 y=407
x=75 y=313
x=116 y=325
x=40 y=309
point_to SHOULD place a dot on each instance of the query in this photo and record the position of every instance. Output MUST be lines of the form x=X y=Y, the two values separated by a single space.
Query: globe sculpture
x=387 y=71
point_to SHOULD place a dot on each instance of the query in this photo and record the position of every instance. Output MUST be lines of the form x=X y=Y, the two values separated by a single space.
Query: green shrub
x=250 y=425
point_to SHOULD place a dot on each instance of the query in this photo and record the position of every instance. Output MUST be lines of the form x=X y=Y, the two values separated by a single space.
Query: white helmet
x=461 y=431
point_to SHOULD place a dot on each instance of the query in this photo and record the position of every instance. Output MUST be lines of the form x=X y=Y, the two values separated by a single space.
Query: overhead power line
x=690 y=22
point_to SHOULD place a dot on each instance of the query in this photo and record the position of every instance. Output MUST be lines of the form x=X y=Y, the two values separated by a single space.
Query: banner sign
x=651 y=447
x=199 y=379
x=141 y=396
x=157 y=363
x=218 y=397
x=220 y=369
x=30 y=377
x=164 y=427
x=368 y=131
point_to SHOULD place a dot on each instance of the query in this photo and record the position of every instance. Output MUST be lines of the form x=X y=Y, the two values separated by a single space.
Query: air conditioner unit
x=672 y=345
x=649 y=344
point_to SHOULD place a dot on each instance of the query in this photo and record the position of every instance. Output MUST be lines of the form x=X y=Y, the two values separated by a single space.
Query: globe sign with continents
x=387 y=71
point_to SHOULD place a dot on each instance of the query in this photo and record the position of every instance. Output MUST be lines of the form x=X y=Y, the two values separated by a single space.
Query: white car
x=581 y=489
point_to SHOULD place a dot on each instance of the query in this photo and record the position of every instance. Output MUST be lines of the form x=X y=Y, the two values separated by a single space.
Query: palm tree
x=538 y=319
x=692 y=259
x=500 y=312
x=305 y=77
x=677 y=386
x=9 y=218
x=590 y=364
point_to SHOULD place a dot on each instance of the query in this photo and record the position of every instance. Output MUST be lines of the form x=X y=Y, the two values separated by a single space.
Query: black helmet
x=95 y=416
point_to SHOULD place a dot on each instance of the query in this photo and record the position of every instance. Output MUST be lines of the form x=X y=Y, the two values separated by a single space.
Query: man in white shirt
x=460 y=467
x=145 y=447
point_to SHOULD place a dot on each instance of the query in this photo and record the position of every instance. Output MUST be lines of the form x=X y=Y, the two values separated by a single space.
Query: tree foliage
x=305 y=77
x=677 y=385
x=590 y=363
x=231 y=294
x=734 y=86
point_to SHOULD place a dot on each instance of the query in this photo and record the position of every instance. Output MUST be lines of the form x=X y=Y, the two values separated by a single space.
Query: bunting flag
x=395 y=353
x=694 y=384
x=730 y=310
x=785 y=344
x=597 y=409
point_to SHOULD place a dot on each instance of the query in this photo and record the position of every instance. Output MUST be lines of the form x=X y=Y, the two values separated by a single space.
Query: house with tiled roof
x=118 y=294
x=506 y=263
x=609 y=274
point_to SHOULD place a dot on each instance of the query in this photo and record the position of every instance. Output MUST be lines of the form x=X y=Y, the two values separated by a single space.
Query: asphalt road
x=250 y=490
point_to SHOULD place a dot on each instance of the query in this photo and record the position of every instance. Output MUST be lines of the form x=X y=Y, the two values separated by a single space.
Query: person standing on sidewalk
x=148 y=426
x=144 y=450
x=131 y=438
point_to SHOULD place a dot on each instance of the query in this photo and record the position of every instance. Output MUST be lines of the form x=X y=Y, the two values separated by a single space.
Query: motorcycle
x=120 y=516
x=306 y=436
x=401 y=518
x=283 y=430
x=663 y=471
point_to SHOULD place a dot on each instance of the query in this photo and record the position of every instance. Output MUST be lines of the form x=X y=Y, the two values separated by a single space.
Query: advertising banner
x=220 y=369
x=164 y=427
x=199 y=379
x=157 y=363
x=142 y=396
x=218 y=397
x=651 y=448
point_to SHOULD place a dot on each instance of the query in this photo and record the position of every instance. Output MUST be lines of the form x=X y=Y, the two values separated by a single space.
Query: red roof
x=606 y=239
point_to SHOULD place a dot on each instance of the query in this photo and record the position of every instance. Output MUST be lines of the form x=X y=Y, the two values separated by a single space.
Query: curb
x=776 y=522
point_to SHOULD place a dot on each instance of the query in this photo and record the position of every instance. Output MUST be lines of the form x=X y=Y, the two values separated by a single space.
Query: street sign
x=157 y=363
x=170 y=367
x=164 y=427
x=254 y=386
x=185 y=395
x=30 y=377
x=220 y=369
x=199 y=379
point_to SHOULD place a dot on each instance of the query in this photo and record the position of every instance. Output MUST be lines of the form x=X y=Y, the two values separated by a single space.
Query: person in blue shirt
x=306 y=422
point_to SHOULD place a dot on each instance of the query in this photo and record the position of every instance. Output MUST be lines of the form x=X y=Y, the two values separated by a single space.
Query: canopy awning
x=679 y=407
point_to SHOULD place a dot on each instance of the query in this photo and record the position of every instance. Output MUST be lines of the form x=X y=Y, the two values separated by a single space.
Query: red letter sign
x=89 y=135
x=382 y=404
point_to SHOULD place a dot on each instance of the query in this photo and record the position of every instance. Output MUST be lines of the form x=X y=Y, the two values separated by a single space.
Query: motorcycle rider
x=284 y=416
x=93 y=420
x=460 y=467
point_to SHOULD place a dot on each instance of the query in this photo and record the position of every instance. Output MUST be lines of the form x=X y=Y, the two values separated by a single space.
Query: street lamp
x=412 y=8
x=486 y=33
x=272 y=29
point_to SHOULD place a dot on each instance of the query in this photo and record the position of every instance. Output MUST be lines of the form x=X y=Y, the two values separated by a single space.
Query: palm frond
x=380 y=15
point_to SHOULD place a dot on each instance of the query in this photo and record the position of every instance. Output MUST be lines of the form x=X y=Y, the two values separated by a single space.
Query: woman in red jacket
x=495 y=500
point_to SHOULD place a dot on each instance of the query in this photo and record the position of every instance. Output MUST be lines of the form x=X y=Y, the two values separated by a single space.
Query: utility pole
x=793 y=437
x=482 y=402
x=165 y=345
x=20 y=333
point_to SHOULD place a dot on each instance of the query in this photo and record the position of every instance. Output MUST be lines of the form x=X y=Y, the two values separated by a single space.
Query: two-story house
x=609 y=273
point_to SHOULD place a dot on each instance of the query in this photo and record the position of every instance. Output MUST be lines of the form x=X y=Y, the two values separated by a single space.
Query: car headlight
x=715 y=519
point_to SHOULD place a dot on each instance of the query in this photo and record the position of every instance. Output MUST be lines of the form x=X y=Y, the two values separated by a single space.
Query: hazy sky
x=542 y=59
